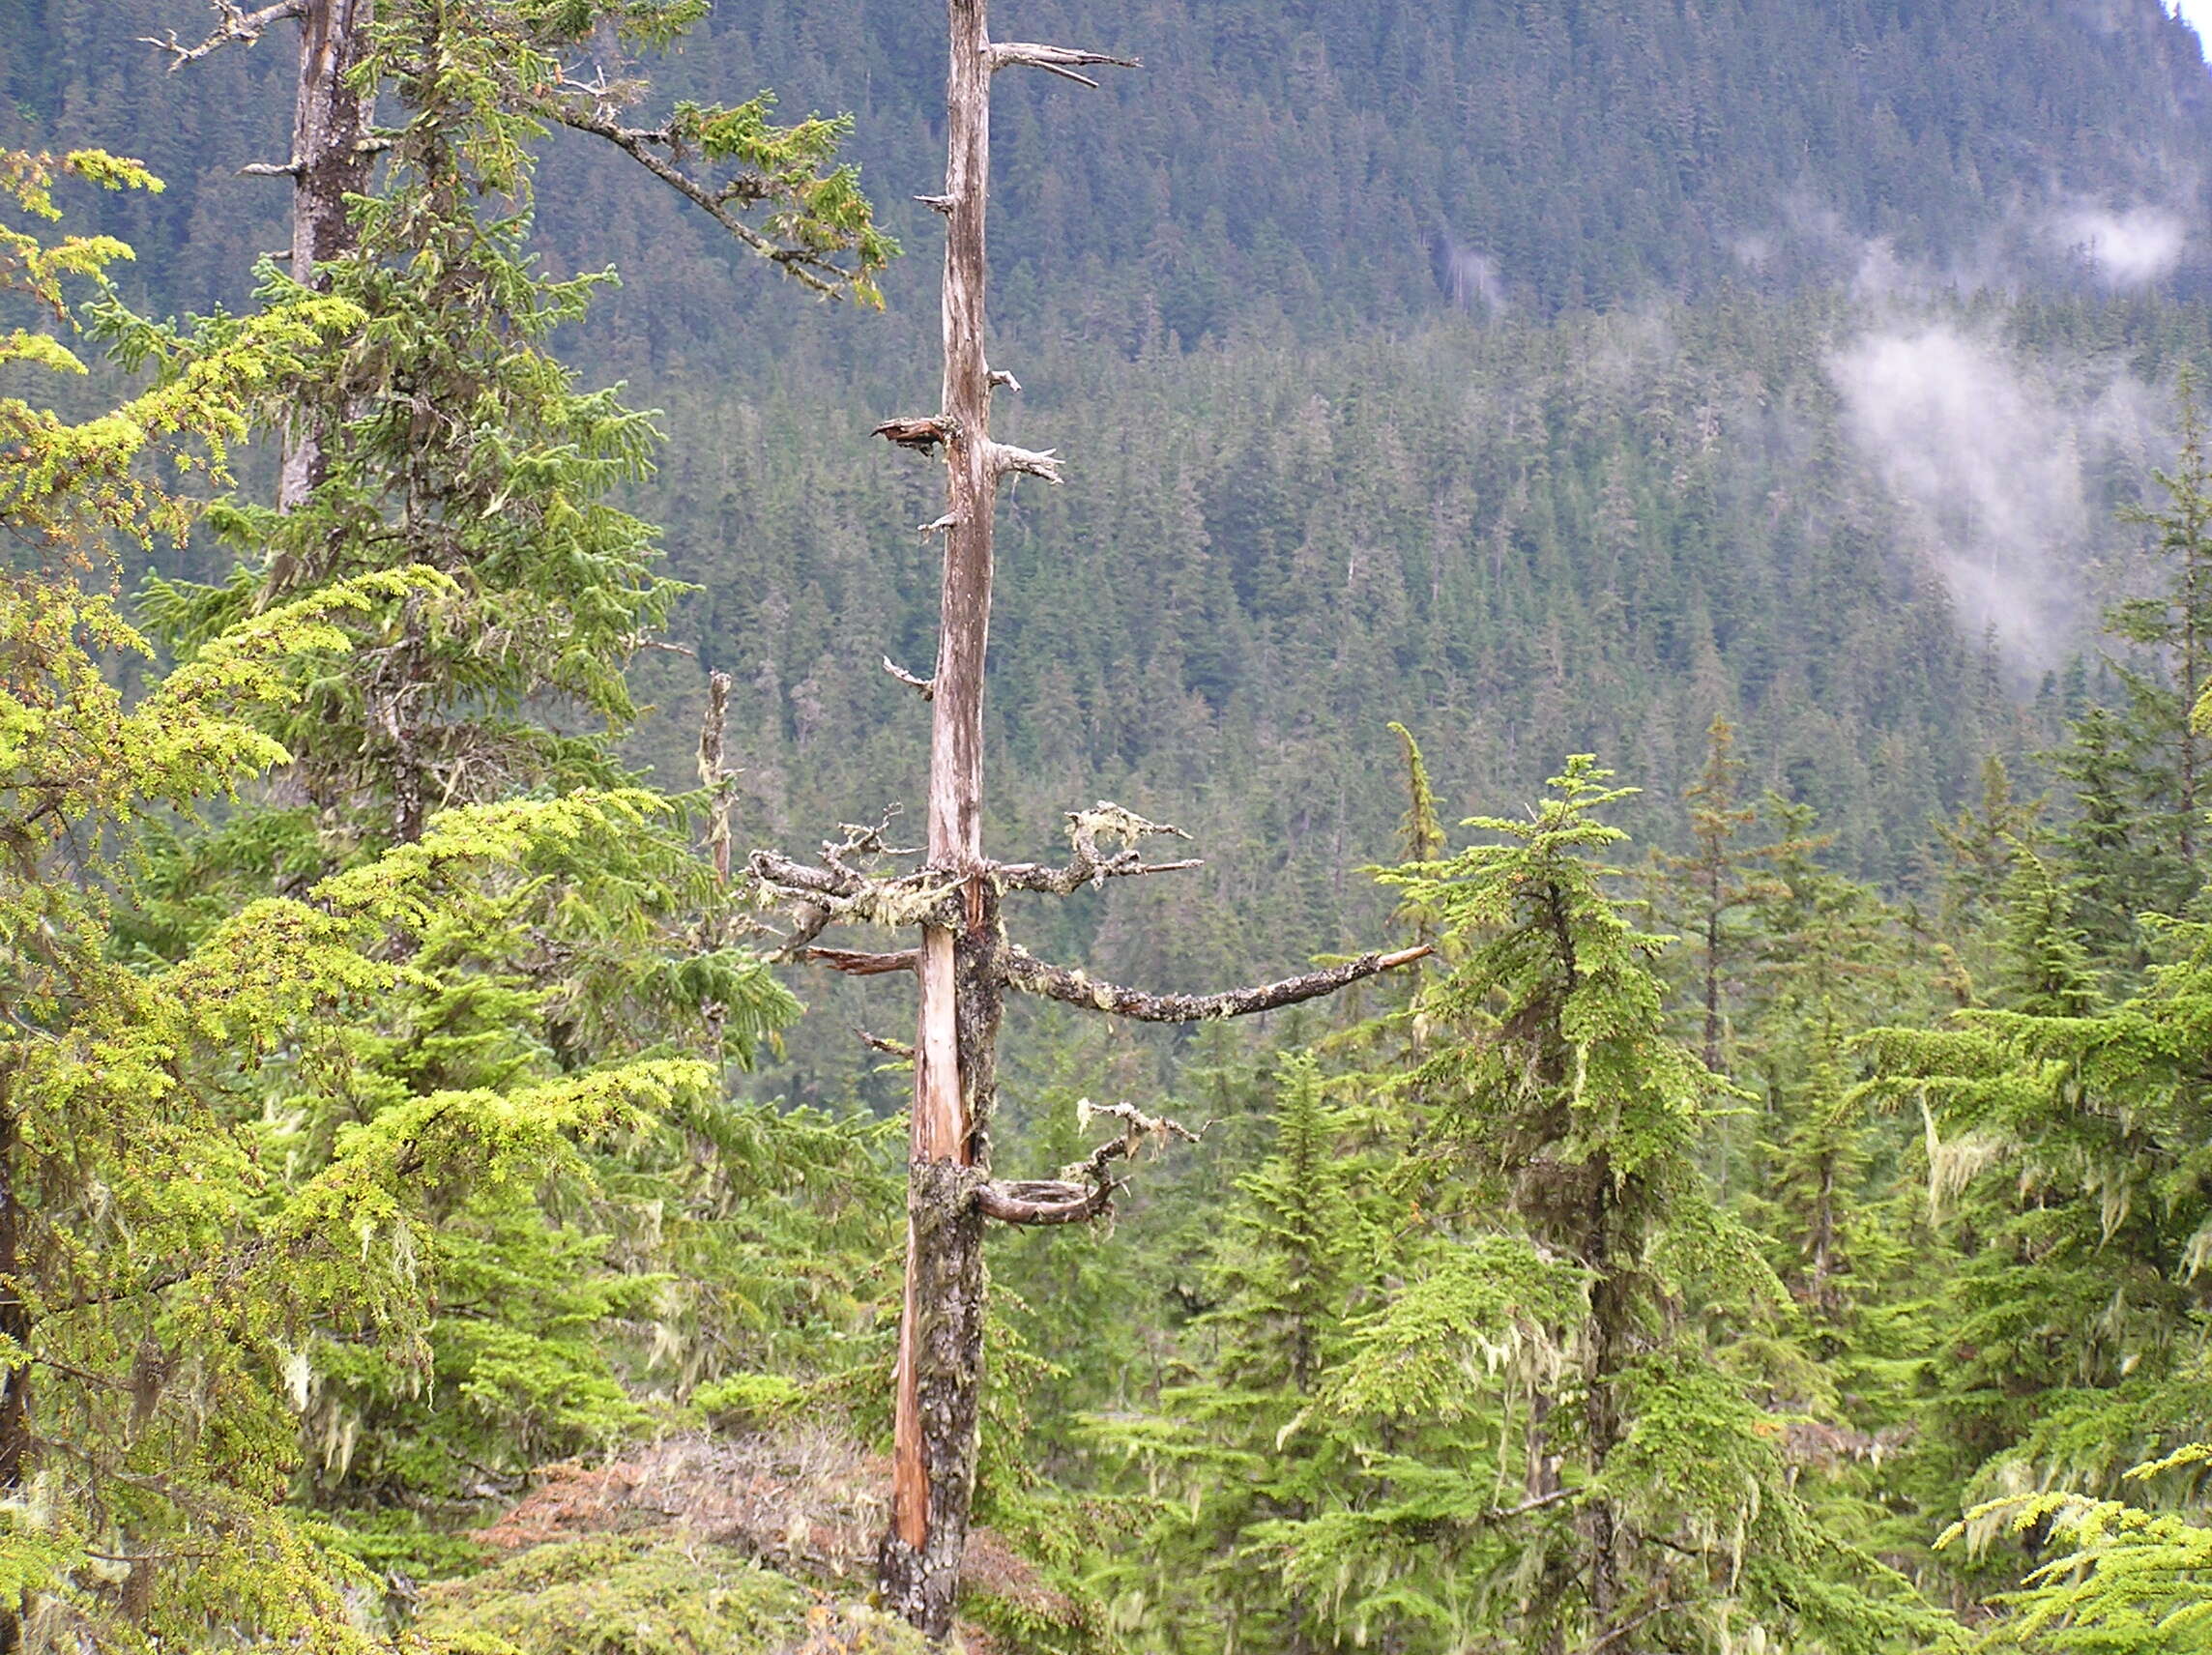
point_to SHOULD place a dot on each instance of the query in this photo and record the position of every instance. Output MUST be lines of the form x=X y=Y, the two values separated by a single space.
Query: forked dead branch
x=964 y=961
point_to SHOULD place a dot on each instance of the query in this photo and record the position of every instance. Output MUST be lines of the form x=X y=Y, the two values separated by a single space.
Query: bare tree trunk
x=331 y=160
x=15 y=1329
x=1712 y=1051
x=2192 y=675
x=941 y=1333
x=964 y=962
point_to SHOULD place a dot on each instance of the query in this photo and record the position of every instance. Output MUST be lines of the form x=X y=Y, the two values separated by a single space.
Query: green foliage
x=67 y=486
x=166 y=1275
x=2134 y=769
x=2123 y=1578
x=2064 y=1147
x=372 y=1155
x=435 y=1064
x=1479 y=1368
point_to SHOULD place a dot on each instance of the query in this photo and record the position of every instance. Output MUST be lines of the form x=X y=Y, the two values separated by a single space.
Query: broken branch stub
x=1055 y=60
x=1086 y=1190
x=921 y=432
x=1006 y=460
x=925 y=688
x=855 y=963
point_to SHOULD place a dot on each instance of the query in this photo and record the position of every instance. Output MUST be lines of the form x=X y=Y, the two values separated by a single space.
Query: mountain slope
x=1548 y=377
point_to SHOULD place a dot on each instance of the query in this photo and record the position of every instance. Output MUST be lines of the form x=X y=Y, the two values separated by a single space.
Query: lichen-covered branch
x=237 y=26
x=714 y=776
x=838 y=893
x=1033 y=976
x=1089 y=864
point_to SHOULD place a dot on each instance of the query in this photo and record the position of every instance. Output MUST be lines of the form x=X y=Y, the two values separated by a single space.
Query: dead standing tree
x=963 y=959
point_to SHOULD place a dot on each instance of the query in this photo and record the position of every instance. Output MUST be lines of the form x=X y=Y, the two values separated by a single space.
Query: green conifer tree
x=450 y=441
x=2063 y=1137
x=164 y=1275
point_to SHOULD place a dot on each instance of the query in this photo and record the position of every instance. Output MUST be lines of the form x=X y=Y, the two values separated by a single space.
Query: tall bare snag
x=963 y=959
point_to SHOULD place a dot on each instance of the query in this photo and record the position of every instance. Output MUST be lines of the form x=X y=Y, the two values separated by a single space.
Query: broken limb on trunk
x=963 y=963
x=1086 y=1190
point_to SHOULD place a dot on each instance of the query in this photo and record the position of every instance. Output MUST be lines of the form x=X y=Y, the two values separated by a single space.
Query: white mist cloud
x=1991 y=458
x=2198 y=14
x=2126 y=248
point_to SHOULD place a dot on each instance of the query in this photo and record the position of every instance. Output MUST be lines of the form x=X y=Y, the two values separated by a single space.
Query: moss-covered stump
x=706 y=1543
x=665 y=1593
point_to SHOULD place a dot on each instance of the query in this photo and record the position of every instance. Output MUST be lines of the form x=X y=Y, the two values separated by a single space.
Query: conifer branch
x=1033 y=976
x=919 y=431
x=1008 y=460
x=1628 y=1627
x=1088 y=864
x=889 y=1048
x=839 y=893
x=1044 y=1201
x=925 y=688
x=856 y=964
x=641 y=144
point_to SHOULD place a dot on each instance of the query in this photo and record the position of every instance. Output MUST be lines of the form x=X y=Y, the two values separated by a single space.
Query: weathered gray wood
x=333 y=150
x=941 y=1343
x=1033 y=976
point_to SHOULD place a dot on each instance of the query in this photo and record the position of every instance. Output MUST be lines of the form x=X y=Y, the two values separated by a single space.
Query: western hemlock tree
x=2063 y=1145
x=1244 y=1442
x=1637 y=1494
x=1715 y=883
x=162 y=1276
x=730 y=161
x=450 y=442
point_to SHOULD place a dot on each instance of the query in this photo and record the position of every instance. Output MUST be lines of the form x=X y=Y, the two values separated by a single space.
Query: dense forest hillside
x=1546 y=378
x=1334 y=165
x=1659 y=552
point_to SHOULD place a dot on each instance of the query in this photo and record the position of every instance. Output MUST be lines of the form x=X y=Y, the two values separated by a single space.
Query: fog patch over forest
x=2126 y=248
x=2000 y=462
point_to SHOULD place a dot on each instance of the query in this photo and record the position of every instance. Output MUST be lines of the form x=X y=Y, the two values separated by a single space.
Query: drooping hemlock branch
x=964 y=962
x=820 y=230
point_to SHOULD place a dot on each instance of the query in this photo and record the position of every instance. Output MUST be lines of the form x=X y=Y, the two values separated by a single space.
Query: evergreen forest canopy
x=1749 y=1192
